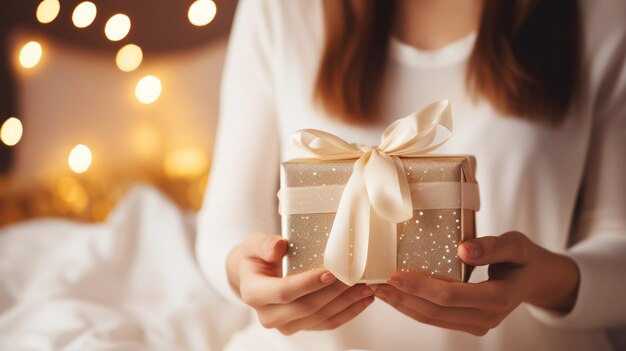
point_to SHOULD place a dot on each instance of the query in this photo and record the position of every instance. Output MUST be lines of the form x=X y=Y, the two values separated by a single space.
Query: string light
x=48 y=10
x=202 y=12
x=75 y=196
x=117 y=27
x=11 y=131
x=84 y=14
x=129 y=57
x=79 y=159
x=30 y=54
x=148 y=89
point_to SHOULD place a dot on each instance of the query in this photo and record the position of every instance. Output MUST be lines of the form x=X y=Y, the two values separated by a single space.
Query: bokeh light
x=30 y=54
x=48 y=10
x=129 y=57
x=145 y=142
x=84 y=14
x=186 y=163
x=202 y=12
x=73 y=195
x=11 y=131
x=117 y=27
x=148 y=89
x=79 y=159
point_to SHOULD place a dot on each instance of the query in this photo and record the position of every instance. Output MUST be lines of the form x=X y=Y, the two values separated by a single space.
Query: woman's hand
x=313 y=300
x=519 y=271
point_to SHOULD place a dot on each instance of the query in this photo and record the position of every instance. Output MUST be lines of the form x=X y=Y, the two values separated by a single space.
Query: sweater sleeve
x=241 y=195
x=601 y=255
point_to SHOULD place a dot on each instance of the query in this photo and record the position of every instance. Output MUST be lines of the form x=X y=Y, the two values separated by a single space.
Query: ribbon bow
x=377 y=194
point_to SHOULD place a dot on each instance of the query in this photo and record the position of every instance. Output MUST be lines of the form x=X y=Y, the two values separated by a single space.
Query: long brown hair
x=525 y=61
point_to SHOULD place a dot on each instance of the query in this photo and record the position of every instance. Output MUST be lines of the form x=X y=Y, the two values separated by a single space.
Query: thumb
x=511 y=247
x=267 y=247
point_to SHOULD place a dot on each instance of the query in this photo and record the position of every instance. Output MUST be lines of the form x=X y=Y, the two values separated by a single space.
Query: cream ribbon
x=424 y=196
x=377 y=195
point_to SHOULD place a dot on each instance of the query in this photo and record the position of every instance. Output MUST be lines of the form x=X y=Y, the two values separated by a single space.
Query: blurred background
x=96 y=96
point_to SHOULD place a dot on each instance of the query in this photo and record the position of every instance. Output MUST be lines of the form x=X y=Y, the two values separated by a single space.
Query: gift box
x=365 y=212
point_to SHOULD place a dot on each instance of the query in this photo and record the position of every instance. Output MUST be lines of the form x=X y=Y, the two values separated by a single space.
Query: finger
x=475 y=330
x=275 y=315
x=334 y=307
x=483 y=295
x=511 y=247
x=267 y=247
x=344 y=316
x=259 y=290
x=456 y=315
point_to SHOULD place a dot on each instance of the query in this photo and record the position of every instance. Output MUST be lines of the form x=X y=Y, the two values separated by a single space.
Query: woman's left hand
x=519 y=271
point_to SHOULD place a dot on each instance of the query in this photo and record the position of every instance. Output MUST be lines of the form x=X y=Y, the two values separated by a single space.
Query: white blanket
x=130 y=283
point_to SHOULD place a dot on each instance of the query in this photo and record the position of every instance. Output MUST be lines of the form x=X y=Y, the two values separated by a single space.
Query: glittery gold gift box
x=426 y=243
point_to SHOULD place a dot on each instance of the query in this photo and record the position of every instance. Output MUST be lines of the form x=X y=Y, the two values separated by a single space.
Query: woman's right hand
x=313 y=300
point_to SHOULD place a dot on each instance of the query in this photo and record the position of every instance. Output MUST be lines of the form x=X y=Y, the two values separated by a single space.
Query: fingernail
x=327 y=278
x=275 y=244
x=473 y=249
x=395 y=281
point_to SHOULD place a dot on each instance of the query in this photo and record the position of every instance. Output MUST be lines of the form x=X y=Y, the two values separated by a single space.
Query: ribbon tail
x=346 y=250
x=382 y=252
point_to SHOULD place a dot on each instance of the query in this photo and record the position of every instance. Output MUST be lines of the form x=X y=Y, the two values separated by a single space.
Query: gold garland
x=91 y=199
